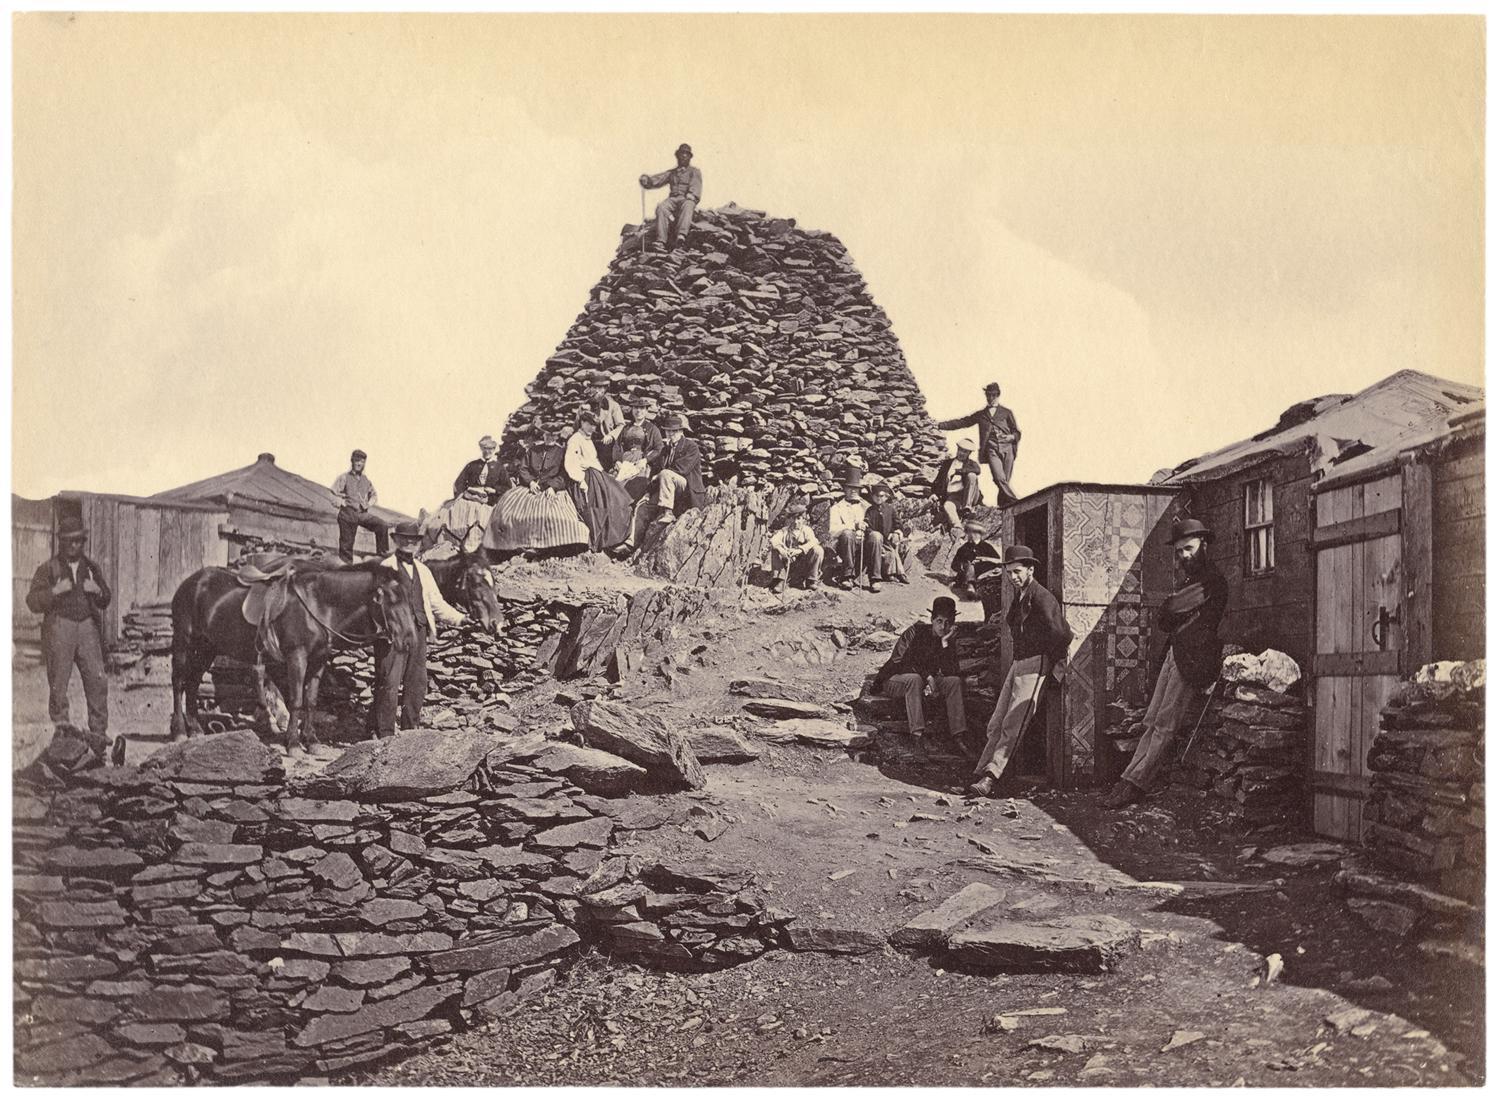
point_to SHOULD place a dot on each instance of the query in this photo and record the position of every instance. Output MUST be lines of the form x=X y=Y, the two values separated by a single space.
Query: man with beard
x=1190 y=617
x=1041 y=636
x=69 y=592
x=401 y=675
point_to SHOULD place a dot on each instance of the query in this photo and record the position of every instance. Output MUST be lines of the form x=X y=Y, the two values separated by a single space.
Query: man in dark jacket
x=1041 y=636
x=678 y=470
x=1190 y=617
x=483 y=479
x=978 y=568
x=638 y=413
x=999 y=439
x=926 y=657
x=956 y=485
x=69 y=592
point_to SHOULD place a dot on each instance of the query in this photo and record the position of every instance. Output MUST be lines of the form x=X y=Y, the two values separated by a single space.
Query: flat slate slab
x=827 y=938
x=412 y=764
x=929 y=930
x=823 y=732
x=770 y=708
x=235 y=757
x=1088 y=943
x=594 y=770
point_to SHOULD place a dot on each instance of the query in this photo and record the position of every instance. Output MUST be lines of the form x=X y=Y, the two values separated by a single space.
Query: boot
x=1122 y=795
x=981 y=788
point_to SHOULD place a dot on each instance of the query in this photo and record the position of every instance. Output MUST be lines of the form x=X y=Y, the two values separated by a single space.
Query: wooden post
x=1416 y=565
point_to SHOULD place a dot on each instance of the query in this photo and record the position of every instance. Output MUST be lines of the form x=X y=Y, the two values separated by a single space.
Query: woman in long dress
x=538 y=514
x=603 y=502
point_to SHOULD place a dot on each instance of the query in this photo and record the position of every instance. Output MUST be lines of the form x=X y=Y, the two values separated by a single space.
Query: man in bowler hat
x=1041 y=636
x=69 y=592
x=925 y=657
x=684 y=185
x=1190 y=617
x=999 y=440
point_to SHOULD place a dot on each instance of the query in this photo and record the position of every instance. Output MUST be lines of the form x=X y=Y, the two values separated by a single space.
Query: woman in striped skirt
x=538 y=514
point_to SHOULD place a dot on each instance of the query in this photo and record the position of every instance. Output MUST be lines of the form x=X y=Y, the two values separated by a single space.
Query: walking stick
x=643 y=222
x=1201 y=716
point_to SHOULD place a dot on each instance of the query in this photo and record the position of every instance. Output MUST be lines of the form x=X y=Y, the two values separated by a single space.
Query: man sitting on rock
x=795 y=550
x=684 y=185
x=1041 y=637
x=977 y=568
x=886 y=538
x=850 y=534
x=926 y=657
x=638 y=410
x=956 y=486
x=1190 y=617
x=678 y=471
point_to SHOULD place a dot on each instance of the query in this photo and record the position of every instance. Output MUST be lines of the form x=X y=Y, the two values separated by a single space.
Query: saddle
x=267 y=579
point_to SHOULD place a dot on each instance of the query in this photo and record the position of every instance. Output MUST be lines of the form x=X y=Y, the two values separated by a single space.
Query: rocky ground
x=857 y=846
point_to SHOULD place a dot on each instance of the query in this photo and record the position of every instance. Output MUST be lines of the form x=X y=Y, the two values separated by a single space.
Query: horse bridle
x=382 y=624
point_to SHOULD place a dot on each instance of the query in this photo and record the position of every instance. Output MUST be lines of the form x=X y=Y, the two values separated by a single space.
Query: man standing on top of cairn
x=956 y=485
x=850 y=534
x=795 y=549
x=483 y=479
x=1190 y=617
x=926 y=656
x=678 y=471
x=356 y=496
x=999 y=439
x=684 y=191
x=401 y=675
x=1041 y=637
x=69 y=592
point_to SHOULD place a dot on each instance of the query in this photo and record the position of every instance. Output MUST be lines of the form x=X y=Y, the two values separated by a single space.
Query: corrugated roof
x=1388 y=416
x=263 y=482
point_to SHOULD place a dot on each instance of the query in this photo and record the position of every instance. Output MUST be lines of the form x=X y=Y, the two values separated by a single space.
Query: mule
x=320 y=608
x=466 y=580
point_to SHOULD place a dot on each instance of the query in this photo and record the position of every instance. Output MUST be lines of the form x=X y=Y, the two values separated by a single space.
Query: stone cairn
x=200 y=918
x=1425 y=814
x=765 y=336
x=1248 y=748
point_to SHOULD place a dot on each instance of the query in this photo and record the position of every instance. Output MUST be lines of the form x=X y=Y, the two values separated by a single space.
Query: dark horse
x=467 y=581
x=325 y=607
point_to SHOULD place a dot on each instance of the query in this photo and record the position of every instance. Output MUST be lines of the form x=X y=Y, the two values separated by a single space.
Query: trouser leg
x=348 y=528
x=663 y=220
x=414 y=682
x=390 y=670
x=89 y=657
x=1012 y=714
x=813 y=561
x=781 y=565
x=848 y=544
x=1170 y=702
x=382 y=532
x=952 y=691
x=950 y=509
x=60 y=641
x=685 y=209
x=971 y=491
x=874 y=552
x=668 y=484
x=1000 y=466
x=908 y=688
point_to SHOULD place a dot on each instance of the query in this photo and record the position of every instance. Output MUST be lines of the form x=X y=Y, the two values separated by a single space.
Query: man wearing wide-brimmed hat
x=796 y=554
x=1190 y=618
x=401 y=675
x=1041 y=636
x=678 y=471
x=926 y=657
x=999 y=439
x=684 y=185
x=956 y=485
x=69 y=592
x=483 y=479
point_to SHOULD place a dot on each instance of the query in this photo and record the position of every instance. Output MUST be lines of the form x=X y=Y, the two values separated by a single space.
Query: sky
x=303 y=234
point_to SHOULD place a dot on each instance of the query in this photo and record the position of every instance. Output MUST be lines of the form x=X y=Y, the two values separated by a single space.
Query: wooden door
x=1369 y=624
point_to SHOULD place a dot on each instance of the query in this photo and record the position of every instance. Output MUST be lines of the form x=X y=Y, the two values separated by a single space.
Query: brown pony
x=467 y=581
x=326 y=607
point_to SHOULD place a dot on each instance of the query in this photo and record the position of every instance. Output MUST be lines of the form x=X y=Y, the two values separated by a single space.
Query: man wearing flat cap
x=1190 y=618
x=684 y=186
x=978 y=569
x=483 y=479
x=999 y=439
x=1041 y=636
x=401 y=675
x=926 y=657
x=796 y=554
x=356 y=496
x=956 y=485
x=69 y=592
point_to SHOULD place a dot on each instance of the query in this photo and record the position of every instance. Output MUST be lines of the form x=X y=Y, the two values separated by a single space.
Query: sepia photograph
x=523 y=570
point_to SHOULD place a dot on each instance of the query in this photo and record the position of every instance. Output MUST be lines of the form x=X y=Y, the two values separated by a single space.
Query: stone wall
x=201 y=918
x=1425 y=814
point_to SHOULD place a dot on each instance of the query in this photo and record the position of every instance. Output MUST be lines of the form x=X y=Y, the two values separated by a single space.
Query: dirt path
x=852 y=847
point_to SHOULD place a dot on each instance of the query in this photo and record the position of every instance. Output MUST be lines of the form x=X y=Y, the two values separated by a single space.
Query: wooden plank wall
x=30 y=546
x=1458 y=556
x=1272 y=610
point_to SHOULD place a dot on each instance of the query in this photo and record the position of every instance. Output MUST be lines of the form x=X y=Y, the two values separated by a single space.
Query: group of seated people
x=868 y=541
x=595 y=484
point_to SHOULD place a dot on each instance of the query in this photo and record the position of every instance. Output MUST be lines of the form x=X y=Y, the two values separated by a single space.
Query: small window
x=1260 y=527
